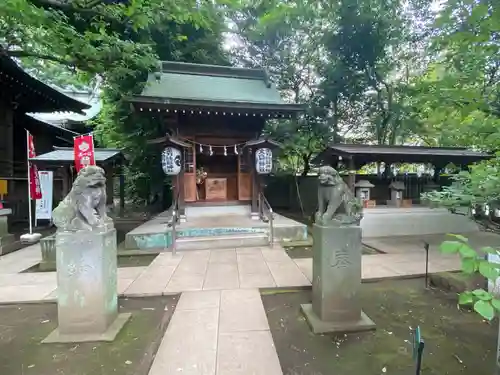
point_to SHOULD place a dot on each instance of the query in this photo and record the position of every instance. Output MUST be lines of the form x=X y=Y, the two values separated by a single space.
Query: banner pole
x=29 y=178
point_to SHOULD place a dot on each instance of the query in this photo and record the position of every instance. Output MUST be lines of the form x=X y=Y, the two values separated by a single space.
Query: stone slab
x=25 y=293
x=287 y=274
x=278 y=255
x=193 y=265
x=183 y=282
x=257 y=280
x=305 y=266
x=221 y=276
x=252 y=264
x=152 y=282
x=189 y=346
x=107 y=336
x=319 y=326
x=242 y=310
x=247 y=353
x=199 y=300
x=223 y=256
x=167 y=259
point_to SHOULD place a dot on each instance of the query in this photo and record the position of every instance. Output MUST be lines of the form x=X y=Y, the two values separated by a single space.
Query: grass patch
x=456 y=341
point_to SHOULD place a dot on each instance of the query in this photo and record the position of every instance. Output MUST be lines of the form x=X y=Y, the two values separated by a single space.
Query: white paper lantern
x=171 y=161
x=263 y=160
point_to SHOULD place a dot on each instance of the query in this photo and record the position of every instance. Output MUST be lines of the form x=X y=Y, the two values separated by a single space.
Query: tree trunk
x=307 y=165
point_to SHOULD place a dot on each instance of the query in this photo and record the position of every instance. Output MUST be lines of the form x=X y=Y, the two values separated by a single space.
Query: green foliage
x=458 y=96
x=69 y=42
x=285 y=37
x=474 y=188
x=483 y=302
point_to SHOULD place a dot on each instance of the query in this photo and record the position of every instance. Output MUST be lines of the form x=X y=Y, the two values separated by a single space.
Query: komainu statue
x=84 y=208
x=337 y=203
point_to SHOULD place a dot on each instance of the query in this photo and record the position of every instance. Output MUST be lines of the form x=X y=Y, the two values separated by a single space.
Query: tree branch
x=70 y=7
x=68 y=63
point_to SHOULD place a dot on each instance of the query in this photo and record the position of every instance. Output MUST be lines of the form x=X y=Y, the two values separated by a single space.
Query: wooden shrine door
x=244 y=178
x=190 y=174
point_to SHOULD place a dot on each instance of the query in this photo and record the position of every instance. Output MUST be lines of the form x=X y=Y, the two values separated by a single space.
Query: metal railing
x=174 y=214
x=266 y=214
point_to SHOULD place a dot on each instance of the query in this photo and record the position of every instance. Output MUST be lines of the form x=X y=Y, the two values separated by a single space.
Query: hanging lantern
x=210 y=151
x=225 y=151
x=235 y=150
x=171 y=161
x=201 y=149
x=263 y=160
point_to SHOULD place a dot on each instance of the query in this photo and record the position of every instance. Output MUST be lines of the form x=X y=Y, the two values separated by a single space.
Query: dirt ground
x=23 y=327
x=456 y=341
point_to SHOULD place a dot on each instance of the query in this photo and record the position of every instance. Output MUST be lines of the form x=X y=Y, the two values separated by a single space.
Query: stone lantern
x=397 y=188
x=363 y=189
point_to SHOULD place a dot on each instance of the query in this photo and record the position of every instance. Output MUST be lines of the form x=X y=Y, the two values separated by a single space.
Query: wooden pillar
x=179 y=187
x=66 y=181
x=122 y=193
x=255 y=182
x=352 y=176
x=437 y=171
x=108 y=170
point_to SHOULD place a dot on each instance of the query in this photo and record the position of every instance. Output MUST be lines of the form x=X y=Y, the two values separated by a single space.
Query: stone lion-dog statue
x=84 y=208
x=337 y=204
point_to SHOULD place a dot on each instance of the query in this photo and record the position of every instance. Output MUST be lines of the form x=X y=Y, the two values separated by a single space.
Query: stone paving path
x=208 y=270
x=393 y=266
x=219 y=326
x=209 y=336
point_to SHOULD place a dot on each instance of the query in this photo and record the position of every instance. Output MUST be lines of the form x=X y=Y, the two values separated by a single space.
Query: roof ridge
x=215 y=70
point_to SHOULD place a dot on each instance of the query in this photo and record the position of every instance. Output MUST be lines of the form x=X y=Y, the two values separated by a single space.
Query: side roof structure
x=364 y=154
x=28 y=94
x=65 y=155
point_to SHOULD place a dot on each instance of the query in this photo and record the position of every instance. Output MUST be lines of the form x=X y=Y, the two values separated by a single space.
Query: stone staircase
x=225 y=241
x=211 y=228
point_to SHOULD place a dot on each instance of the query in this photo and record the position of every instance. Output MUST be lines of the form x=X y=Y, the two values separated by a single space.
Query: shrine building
x=213 y=118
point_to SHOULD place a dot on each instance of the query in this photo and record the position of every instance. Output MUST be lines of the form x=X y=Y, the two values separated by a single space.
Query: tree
x=370 y=47
x=94 y=37
x=458 y=96
x=119 y=126
x=285 y=38
x=119 y=41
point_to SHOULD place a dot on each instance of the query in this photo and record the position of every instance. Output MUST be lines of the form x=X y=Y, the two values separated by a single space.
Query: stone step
x=222 y=242
x=217 y=211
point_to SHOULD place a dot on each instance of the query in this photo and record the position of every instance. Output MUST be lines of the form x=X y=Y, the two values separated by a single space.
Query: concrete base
x=8 y=243
x=319 y=326
x=108 y=335
x=156 y=235
x=413 y=221
x=30 y=238
x=48 y=248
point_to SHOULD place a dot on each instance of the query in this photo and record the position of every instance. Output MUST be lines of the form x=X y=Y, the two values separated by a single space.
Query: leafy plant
x=482 y=301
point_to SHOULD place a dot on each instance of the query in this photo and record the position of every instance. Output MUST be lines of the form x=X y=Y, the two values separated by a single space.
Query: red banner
x=84 y=151
x=35 y=191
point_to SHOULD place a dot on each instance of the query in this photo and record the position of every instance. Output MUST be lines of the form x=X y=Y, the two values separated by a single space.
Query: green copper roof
x=181 y=83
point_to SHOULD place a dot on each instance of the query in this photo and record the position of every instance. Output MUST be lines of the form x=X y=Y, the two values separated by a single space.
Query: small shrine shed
x=62 y=161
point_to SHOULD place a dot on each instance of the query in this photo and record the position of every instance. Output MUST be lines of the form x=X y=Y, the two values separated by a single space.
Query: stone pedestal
x=48 y=248
x=87 y=287
x=397 y=188
x=7 y=240
x=336 y=279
